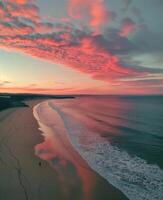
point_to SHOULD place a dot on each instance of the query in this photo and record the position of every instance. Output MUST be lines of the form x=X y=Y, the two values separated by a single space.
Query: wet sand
x=59 y=173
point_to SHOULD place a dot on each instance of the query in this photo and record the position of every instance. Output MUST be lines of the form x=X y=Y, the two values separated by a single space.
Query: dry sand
x=24 y=176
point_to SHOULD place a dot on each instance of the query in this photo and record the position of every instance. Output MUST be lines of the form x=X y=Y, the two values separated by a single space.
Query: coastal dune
x=35 y=165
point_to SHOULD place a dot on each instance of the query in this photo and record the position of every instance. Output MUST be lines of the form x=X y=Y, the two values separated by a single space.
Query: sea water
x=120 y=137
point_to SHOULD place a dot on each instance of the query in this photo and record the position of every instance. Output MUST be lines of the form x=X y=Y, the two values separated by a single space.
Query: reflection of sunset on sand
x=73 y=173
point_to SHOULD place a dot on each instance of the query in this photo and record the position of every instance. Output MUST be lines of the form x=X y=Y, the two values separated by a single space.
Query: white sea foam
x=137 y=179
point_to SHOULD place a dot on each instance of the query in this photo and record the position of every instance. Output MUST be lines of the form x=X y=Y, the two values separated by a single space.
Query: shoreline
x=62 y=149
x=63 y=180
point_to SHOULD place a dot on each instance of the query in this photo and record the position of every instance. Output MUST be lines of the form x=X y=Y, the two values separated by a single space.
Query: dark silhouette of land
x=17 y=100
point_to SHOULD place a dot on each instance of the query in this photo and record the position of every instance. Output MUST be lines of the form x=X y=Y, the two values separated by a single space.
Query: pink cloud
x=63 y=43
x=94 y=11
x=85 y=56
x=6 y=29
x=43 y=27
x=99 y=14
x=2 y=12
x=67 y=45
x=28 y=11
x=19 y=1
x=128 y=27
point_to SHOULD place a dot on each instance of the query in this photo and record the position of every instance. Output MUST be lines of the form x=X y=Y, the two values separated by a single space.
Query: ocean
x=120 y=137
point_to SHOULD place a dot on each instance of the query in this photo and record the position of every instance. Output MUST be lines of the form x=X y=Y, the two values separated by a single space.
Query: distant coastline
x=18 y=100
x=11 y=100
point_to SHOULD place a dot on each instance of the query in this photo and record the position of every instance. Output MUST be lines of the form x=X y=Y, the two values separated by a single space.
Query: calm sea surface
x=120 y=137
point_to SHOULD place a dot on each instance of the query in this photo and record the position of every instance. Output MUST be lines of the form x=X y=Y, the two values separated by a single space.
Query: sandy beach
x=62 y=174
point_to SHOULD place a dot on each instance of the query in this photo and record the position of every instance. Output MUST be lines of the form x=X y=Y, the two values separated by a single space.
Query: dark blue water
x=133 y=123
x=139 y=122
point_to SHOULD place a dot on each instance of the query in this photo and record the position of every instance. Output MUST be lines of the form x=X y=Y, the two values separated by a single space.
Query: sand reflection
x=76 y=178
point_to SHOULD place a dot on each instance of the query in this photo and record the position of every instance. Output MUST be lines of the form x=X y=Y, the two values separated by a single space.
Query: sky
x=81 y=46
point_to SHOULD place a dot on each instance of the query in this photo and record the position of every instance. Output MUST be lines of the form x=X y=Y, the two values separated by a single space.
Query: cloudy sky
x=81 y=46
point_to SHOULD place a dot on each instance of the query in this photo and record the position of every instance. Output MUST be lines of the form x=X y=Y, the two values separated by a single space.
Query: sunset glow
x=81 y=47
